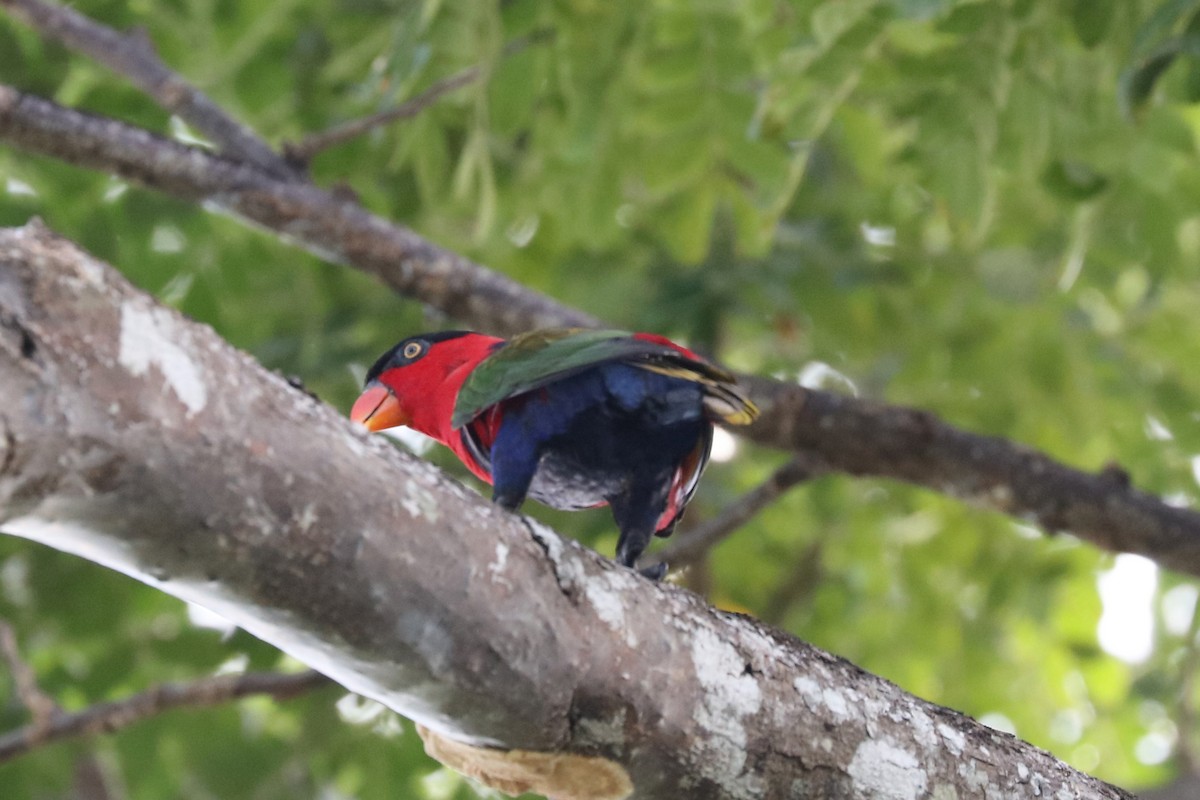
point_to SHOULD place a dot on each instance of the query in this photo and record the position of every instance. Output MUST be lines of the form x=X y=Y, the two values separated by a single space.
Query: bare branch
x=798 y=585
x=133 y=56
x=305 y=150
x=113 y=716
x=856 y=436
x=319 y=142
x=862 y=437
x=42 y=707
x=332 y=227
x=696 y=543
x=92 y=781
x=403 y=586
x=1185 y=704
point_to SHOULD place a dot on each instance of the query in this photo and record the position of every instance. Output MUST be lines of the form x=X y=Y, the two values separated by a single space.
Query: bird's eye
x=412 y=350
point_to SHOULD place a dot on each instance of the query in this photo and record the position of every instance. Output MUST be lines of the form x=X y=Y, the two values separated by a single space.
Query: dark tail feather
x=725 y=402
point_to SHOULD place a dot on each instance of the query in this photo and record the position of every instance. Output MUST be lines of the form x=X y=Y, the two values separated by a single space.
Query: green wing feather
x=533 y=360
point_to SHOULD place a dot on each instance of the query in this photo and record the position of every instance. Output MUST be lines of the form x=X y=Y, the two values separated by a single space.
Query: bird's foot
x=656 y=572
x=509 y=500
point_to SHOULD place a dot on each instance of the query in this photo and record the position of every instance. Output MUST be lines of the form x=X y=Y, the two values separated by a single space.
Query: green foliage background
x=986 y=209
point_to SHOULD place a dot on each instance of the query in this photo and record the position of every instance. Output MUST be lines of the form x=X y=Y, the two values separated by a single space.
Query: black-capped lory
x=574 y=418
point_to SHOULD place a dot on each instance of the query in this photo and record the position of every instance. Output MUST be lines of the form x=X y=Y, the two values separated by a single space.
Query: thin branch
x=51 y=724
x=92 y=781
x=305 y=150
x=319 y=142
x=133 y=56
x=696 y=543
x=113 y=716
x=1185 y=712
x=42 y=707
x=798 y=585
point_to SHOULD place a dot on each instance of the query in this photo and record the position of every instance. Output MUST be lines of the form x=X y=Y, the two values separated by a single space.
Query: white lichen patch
x=148 y=339
x=497 y=566
x=815 y=696
x=956 y=741
x=307 y=517
x=836 y=702
x=91 y=271
x=567 y=567
x=606 y=593
x=730 y=696
x=809 y=690
x=923 y=732
x=419 y=502
x=721 y=671
x=975 y=779
x=883 y=770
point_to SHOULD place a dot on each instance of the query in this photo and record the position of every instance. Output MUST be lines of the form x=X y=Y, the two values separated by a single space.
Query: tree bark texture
x=139 y=440
x=851 y=435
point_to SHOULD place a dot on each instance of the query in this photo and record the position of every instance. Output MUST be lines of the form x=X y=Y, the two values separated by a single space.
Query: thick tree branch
x=141 y=441
x=113 y=716
x=133 y=56
x=850 y=435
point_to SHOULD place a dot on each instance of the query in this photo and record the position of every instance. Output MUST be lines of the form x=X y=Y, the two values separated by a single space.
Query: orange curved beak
x=377 y=408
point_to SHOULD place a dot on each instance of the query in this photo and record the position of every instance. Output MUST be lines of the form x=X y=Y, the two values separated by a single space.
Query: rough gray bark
x=141 y=441
x=863 y=437
x=847 y=434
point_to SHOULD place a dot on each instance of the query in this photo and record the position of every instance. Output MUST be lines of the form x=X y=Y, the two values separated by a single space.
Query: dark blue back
x=590 y=437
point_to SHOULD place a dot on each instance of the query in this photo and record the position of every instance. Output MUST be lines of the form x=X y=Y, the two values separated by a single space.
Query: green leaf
x=1137 y=81
x=921 y=9
x=1073 y=180
x=831 y=20
x=1155 y=48
x=1091 y=20
x=1159 y=25
x=686 y=222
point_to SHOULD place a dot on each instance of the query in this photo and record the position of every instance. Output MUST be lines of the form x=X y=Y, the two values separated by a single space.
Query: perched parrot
x=574 y=418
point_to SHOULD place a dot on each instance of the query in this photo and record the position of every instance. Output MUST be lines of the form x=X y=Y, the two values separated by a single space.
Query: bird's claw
x=656 y=572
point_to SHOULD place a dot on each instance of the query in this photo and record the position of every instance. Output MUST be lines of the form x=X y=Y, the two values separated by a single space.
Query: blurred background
x=990 y=210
